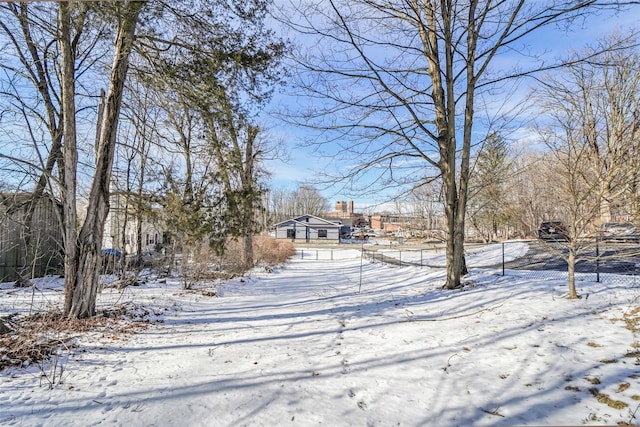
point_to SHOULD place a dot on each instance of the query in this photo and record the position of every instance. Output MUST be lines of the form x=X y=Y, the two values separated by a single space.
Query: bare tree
x=56 y=45
x=400 y=82
x=307 y=200
x=425 y=206
x=591 y=131
x=609 y=110
x=70 y=164
x=31 y=32
x=576 y=191
x=188 y=183
x=274 y=202
x=83 y=248
x=62 y=84
x=133 y=175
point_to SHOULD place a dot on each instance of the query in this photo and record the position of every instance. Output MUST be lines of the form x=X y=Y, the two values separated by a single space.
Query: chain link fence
x=615 y=263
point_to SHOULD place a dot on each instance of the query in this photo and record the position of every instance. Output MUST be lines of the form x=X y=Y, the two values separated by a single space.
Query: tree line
x=156 y=102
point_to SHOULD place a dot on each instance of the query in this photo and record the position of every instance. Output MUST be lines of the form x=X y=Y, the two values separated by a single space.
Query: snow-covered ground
x=344 y=342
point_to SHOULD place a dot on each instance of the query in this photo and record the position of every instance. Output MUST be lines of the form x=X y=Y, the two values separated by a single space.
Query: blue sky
x=303 y=165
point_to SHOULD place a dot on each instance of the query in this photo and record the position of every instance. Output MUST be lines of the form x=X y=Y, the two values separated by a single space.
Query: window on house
x=291 y=233
x=322 y=234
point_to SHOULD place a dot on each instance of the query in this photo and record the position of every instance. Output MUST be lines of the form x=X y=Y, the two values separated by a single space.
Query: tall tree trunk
x=247 y=251
x=429 y=38
x=139 y=210
x=70 y=154
x=83 y=290
x=248 y=186
x=459 y=266
x=443 y=94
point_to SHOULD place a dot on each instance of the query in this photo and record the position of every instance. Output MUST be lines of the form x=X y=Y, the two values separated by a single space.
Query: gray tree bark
x=81 y=289
x=70 y=152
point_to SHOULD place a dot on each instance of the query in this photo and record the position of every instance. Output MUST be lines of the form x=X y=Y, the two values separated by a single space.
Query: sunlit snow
x=345 y=342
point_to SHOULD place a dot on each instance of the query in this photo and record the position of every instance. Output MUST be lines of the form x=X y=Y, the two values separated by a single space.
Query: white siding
x=308 y=228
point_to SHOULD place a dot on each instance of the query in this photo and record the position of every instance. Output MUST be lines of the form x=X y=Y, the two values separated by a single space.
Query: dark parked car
x=553 y=230
x=110 y=259
x=622 y=231
x=110 y=252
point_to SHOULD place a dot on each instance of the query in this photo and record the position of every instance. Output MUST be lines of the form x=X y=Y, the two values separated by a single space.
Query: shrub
x=270 y=251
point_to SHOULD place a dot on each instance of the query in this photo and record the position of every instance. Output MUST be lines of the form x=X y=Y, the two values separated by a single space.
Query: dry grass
x=203 y=264
x=605 y=399
x=41 y=336
x=30 y=339
x=632 y=320
x=267 y=252
x=593 y=380
x=270 y=251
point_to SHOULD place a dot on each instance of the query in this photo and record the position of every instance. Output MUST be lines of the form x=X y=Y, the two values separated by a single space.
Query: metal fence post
x=361 y=259
x=503 y=258
x=597 y=261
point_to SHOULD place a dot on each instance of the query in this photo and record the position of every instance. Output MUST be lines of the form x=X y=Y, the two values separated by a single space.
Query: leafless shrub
x=231 y=261
x=266 y=251
x=198 y=264
x=47 y=339
x=203 y=264
x=270 y=251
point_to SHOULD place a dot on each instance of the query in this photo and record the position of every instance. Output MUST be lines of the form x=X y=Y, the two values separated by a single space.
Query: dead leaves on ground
x=38 y=336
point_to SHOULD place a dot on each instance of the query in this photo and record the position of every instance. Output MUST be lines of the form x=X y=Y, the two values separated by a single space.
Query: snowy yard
x=344 y=342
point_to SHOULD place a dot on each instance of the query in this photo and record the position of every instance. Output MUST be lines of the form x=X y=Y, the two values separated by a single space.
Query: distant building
x=308 y=228
x=32 y=248
x=346 y=213
x=121 y=222
x=389 y=223
x=428 y=226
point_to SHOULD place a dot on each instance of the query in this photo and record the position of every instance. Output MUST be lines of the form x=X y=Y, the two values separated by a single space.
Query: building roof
x=15 y=201
x=319 y=221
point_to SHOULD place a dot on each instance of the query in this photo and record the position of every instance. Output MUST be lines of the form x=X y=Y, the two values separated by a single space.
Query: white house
x=152 y=231
x=307 y=228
